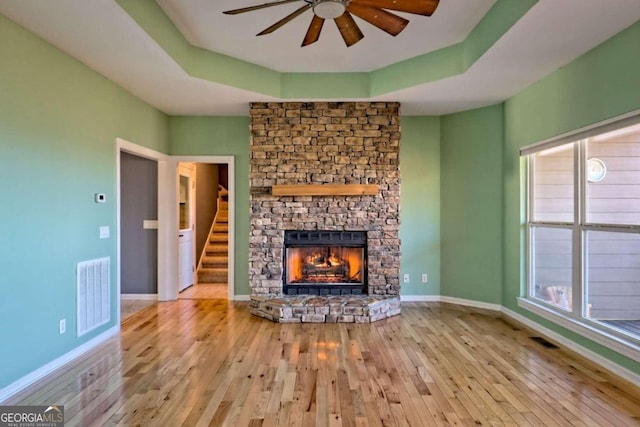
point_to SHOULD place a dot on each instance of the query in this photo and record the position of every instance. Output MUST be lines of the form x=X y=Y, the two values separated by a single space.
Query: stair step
x=212 y=275
x=215 y=261
x=219 y=238
x=216 y=248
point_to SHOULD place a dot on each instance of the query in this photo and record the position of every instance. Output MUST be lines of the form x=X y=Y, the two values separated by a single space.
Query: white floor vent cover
x=94 y=305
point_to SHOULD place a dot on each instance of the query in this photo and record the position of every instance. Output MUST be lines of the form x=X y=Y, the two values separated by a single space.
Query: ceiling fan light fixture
x=329 y=9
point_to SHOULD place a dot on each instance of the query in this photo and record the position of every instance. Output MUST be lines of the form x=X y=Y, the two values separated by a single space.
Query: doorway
x=138 y=170
x=186 y=182
x=139 y=226
x=167 y=255
x=209 y=208
x=171 y=205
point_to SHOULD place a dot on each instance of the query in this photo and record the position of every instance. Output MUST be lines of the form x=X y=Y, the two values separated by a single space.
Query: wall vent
x=94 y=291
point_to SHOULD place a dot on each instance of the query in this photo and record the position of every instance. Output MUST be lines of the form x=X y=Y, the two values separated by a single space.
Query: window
x=583 y=228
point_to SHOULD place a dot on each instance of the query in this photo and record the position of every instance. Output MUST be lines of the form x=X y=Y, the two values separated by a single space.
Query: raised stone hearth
x=325 y=309
x=321 y=143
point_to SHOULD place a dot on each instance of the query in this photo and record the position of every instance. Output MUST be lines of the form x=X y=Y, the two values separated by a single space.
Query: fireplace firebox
x=325 y=262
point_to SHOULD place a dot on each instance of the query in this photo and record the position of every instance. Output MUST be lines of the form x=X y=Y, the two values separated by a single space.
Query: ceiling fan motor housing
x=329 y=9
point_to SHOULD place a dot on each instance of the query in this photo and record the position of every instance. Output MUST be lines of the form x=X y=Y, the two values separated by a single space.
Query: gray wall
x=139 y=202
x=206 y=195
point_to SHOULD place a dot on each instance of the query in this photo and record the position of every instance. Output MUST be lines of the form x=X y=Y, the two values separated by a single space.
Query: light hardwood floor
x=209 y=362
x=205 y=291
x=130 y=307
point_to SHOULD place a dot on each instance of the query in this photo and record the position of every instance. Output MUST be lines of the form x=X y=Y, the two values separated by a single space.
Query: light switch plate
x=150 y=224
x=104 y=232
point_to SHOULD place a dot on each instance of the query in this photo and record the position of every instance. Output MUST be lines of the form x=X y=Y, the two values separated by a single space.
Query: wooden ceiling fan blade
x=348 y=29
x=418 y=7
x=313 y=33
x=257 y=7
x=284 y=20
x=386 y=21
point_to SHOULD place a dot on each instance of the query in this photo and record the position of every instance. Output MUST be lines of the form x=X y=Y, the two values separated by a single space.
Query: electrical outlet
x=63 y=326
x=406 y=278
x=425 y=278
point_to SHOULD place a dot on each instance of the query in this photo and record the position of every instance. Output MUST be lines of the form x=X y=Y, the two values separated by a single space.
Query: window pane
x=553 y=185
x=613 y=177
x=551 y=264
x=613 y=276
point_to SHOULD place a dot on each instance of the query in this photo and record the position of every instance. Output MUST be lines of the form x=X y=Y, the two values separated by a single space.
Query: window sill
x=619 y=343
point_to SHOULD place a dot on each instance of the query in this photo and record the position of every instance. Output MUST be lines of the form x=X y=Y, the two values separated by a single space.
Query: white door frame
x=161 y=158
x=188 y=170
x=168 y=217
x=167 y=195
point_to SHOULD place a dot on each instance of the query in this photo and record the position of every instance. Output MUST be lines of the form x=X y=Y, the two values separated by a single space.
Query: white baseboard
x=620 y=371
x=45 y=370
x=420 y=298
x=241 y=298
x=149 y=297
x=450 y=300
x=471 y=303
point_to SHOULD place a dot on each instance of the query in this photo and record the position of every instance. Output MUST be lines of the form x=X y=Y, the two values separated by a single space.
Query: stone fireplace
x=332 y=144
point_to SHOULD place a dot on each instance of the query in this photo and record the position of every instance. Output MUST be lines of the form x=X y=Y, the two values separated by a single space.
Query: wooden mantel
x=325 y=190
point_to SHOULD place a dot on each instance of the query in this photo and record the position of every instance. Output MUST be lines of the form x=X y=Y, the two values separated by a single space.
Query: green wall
x=58 y=125
x=221 y=136
x=471 y=162
x=460 y=199
x=603 y=83
x=420 y=204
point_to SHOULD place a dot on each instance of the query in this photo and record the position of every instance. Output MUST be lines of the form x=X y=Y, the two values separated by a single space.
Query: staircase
x=214 y=264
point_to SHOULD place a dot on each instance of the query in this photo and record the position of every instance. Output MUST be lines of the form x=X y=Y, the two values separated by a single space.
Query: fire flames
x=324 y=265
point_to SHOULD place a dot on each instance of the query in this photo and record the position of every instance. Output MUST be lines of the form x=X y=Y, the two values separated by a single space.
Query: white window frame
x=574 y=320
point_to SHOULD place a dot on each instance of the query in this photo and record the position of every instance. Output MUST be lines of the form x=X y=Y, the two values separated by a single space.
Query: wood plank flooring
x=129 y=307
x=205 y=291
x=210 y=363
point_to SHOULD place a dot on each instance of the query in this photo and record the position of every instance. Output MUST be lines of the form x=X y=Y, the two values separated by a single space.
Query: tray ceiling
x=204 y=25
x=179 y=76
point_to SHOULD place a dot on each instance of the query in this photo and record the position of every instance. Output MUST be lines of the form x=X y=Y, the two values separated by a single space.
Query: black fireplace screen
x=325 y=262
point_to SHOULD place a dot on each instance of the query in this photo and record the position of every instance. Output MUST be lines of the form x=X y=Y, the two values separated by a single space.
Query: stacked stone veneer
x=325 y=309
x=324 y=143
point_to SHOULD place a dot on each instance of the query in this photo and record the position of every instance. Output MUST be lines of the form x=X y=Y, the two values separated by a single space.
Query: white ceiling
x=101 y=35
x=281 y=51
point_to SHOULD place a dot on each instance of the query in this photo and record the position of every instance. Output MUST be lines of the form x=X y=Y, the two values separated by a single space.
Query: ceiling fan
x=374 y=12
